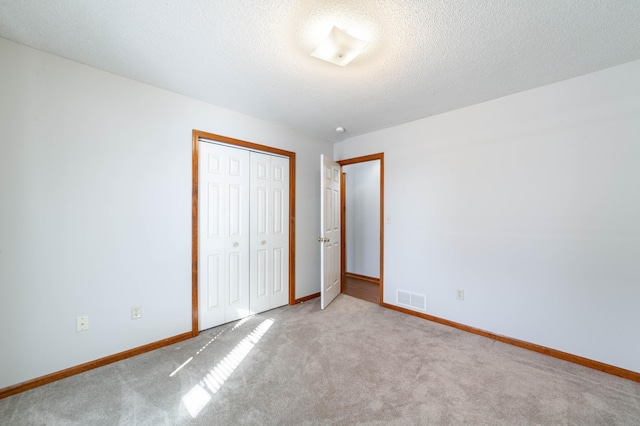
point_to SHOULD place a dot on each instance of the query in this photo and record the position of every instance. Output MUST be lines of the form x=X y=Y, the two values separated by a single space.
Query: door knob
x=264 y=242
x=236 y=244
x=323 y=240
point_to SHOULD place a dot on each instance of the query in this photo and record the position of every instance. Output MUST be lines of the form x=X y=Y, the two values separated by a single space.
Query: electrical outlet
x=459 y=294
x=136 y=312
x=82 y=323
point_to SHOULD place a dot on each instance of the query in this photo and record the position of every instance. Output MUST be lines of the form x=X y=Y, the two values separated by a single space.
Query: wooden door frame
x=196 y=136
x=343 y=242
x=343 y=226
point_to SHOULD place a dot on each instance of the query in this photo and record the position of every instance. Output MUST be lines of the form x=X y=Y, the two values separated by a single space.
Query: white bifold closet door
x=243 y=233
x=269 y=231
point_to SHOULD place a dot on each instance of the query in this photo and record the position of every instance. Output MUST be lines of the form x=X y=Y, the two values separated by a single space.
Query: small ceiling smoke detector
x=340 y=129
x=339 y=47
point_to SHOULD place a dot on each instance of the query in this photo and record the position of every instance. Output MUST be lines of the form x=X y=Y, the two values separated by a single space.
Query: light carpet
x=353 y=363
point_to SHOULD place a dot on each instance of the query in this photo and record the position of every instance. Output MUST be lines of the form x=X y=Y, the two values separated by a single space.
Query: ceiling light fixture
x=339 y=47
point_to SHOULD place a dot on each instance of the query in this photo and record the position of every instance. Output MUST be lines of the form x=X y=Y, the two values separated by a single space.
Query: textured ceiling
x=424 y=58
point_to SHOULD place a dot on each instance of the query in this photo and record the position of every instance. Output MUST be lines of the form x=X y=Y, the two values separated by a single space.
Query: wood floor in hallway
x=361 y=289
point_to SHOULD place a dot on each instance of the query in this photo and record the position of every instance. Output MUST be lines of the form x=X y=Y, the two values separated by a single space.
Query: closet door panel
x=223 y=193
x=214 y=281
x=279 y=282
x=280 y=231
x=211 y=193
x=244 y=233
x=261 y=273
x=260 y=221
x=270 y=237
x=237 y=238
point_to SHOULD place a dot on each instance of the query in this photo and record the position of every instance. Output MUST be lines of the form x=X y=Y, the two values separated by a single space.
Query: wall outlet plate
x=82 y=323
x=460 y=294
x=136 y=312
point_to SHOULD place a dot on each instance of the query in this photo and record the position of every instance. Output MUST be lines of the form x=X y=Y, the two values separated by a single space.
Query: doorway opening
x=362 y=227
x=197 y=137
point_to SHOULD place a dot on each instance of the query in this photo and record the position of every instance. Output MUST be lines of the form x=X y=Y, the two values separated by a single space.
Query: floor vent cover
x=411 y=300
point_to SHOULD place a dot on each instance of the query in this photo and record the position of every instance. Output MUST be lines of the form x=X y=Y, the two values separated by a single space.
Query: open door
x=329 y=231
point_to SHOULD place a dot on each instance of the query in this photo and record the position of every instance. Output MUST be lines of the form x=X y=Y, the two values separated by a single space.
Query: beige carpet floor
x=353 y=363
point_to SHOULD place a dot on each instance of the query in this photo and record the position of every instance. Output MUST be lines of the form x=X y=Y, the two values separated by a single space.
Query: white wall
x=531 y=204
x=363 y=218
x=95 y=213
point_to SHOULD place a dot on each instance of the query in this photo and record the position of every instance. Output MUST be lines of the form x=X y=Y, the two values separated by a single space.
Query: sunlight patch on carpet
x=200 y=395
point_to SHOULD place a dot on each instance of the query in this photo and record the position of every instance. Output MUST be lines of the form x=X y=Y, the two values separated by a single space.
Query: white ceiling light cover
x=339 y=47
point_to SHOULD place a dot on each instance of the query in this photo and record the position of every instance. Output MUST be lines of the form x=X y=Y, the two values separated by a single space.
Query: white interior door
x=269 y=214
x=223 y=194
x=330 y=231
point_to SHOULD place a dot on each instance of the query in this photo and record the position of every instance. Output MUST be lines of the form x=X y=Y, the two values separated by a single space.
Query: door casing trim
x=363 y=159
x=196 y=136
